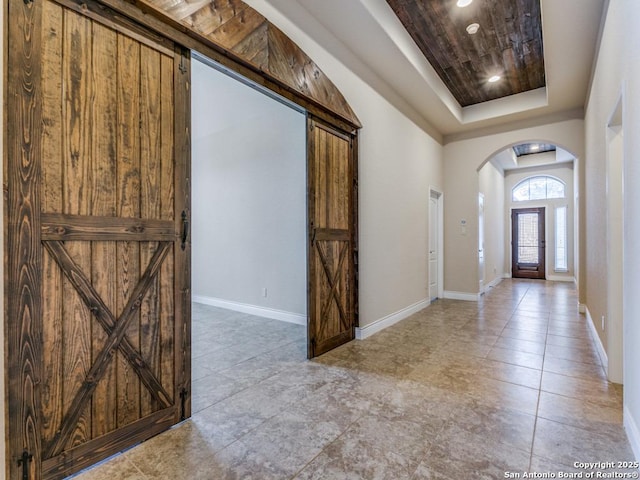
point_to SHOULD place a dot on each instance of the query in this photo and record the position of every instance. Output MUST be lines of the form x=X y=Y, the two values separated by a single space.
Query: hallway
x=459 y=390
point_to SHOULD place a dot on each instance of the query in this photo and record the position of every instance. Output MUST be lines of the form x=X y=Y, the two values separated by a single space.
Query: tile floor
x=460 y=390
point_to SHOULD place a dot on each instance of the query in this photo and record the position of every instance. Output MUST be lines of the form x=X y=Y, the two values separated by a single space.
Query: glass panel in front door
x=528 y=237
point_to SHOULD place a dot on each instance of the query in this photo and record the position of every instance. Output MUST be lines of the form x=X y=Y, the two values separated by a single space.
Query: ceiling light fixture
x=464 y=3
x=494 y=79
x=473 y=28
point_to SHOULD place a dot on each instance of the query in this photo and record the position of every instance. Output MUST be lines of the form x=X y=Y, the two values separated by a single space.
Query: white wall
x=563 y=172
x=398 y=162
x=249 y=218
x=617 y=74
x=491 y=185
x=462 y=159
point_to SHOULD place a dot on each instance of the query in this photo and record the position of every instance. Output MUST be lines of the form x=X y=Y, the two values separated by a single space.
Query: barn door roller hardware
x=182 y=67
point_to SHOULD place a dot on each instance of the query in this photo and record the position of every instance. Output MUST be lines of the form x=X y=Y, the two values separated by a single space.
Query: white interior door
x=433 y=246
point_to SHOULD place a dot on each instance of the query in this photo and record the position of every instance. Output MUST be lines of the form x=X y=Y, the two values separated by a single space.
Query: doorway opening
x=528 y=243
x=249 y=250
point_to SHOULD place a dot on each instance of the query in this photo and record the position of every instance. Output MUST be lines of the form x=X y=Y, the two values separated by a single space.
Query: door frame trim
x=436 y=193
x=543 y=257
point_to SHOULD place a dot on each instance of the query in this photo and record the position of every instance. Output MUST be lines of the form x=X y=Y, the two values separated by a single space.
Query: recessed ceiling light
x=464 y=3
x=473 y=28
x=494 y=79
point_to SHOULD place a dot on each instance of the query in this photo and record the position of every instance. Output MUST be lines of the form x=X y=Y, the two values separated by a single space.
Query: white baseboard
x=560 y=278
x=596 y=338
x=385 y=322
x=494 y=283
x=506 y=275
x=272 y=313
x=633 y=432
x=470 y=297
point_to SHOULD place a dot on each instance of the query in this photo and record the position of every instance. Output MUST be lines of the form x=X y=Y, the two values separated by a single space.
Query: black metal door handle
x=185 y=229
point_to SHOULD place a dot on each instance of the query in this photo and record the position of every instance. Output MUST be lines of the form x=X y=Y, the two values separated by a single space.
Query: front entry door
x=98 y=267
x=332 y=237
x=528 y=244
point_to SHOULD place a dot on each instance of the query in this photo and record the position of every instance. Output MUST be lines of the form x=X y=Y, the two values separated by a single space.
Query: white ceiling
x=507 y=160
x=390 y=61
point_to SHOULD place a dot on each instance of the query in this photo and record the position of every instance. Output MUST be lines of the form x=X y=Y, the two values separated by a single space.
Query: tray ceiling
x=368 y=37
x=507 y=43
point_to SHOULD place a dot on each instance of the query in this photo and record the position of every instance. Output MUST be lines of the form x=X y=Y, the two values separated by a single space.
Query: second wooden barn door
x=98 y=331
x=332 y=238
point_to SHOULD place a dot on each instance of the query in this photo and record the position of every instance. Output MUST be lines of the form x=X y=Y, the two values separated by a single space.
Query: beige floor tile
x=529 y=325
x=527 y=335
x=458 y=454
x=574 y=369
x=495 y=425
x=565 y=444
x=459 y=390
x=586 y=354
x=594 y=391
x=507 y=372
x=514 y=357
x=594 y=417
x=499 y=394
x=520 y=345
x=353 y=459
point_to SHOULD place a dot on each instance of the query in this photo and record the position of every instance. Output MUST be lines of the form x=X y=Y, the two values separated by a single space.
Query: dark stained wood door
x=98 y=271
x=528 y=243
x=332 y=172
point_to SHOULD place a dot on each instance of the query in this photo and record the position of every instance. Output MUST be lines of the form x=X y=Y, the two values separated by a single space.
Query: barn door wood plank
x=167 y=184
x=51 y=188
x=182 y=253
x=150 y=206
x=105 y=229
x=103 y=207
x=128 y=206
x=24 y=257
x=77 y=71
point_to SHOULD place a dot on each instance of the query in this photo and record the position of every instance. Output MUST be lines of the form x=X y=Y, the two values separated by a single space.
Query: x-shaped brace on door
x=332 y=280
x=116 y=339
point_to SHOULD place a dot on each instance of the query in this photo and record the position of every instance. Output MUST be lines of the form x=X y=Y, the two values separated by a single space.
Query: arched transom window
x=538 y=188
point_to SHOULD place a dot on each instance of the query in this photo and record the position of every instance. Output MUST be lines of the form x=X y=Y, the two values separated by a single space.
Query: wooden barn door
x=332 y=186
x=98 y=267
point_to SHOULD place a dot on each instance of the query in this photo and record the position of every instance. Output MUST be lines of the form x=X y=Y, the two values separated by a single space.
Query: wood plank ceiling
x=533 y=148
x=508 y=43
x=241 y=30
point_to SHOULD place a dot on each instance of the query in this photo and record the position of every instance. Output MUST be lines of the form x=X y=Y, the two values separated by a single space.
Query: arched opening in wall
x=529 y=213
